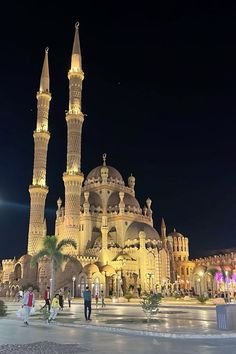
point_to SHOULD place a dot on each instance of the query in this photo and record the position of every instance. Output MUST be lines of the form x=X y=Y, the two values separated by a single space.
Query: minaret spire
x=76 y=60
x=163 y=232
x=38 y=189
x=44 y=81
x=73 y=177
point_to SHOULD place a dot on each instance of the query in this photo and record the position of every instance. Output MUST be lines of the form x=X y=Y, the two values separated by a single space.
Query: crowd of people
x=53 y=304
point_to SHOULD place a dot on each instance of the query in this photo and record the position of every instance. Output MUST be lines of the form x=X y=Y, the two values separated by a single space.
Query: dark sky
x=160 y=98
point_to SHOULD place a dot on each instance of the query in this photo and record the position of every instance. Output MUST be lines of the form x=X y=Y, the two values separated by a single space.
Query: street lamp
x=178 y=282
x=50 y=288
x=200 y=288
x=149 y=275
x=187 y=281
x=73 y=287
x=227 y=284
x=118 y=286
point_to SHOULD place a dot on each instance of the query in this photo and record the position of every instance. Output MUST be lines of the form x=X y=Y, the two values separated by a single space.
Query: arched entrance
x=82 y=282
x=96 y=287
x=17 y=272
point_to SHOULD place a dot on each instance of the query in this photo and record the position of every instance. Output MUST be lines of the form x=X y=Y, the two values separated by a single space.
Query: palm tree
x=226 y=275
x=52 y=249
x=212 y=272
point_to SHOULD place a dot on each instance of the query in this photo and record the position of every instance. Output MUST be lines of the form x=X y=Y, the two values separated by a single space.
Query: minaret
x=73 y=177
x=163 y=233
x=38 y=189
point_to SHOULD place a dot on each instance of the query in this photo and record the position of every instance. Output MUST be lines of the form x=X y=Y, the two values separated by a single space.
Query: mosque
x=118 y=248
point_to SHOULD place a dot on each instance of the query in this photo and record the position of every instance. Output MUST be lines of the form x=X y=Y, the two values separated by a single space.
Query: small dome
x=129 y=200
x=176 y=234
x=134 y=229
x=123 y=256
x=24 y=259
x=113 y=175
x=109 y=270
x=94 y=199
x=91 y=268
x=214 y=268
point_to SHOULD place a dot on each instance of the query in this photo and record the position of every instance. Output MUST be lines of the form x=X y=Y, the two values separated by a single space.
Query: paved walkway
x=38 y=338
x=171 y=322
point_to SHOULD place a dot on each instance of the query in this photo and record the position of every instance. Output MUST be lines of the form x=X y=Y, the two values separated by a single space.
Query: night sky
x=160 y=98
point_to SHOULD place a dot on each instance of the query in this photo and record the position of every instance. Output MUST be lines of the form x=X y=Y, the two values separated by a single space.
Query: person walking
x=103 y=298
x=87 y=303
x=20 y=295
x=28 y=303
x=47 y=299
x=54 y=309
x=69 y=297
x=61 y=299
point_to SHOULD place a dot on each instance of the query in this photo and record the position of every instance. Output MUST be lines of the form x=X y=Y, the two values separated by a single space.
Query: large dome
x=134 y=229
x=113 y=175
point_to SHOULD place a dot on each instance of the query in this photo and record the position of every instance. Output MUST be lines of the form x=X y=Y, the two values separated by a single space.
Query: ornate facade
x=118 y=248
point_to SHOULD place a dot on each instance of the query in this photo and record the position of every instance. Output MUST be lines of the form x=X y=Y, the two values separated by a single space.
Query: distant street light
x=50 y=288
x=73 y=287
x=227 y=285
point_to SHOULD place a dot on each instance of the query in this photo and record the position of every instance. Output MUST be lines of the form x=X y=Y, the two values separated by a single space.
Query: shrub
x=3 y=308
x=150 y=304
x=128 y=296
x=202 y=298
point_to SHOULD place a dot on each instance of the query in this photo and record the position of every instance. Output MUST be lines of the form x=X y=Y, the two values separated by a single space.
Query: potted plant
x=150 y=304
x=202 y=299
x=128 y=296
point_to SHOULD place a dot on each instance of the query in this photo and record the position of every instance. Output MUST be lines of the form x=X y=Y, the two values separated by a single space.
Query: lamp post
x=200 y=288
x=50 y=288
x=73 y=287
x=227 y=284
x=178 y=282
x=118 y=286
x=187 y=281
x=152 y=277
x=149 y=276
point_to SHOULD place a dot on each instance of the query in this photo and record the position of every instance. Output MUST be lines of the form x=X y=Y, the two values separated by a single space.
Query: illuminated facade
x=118 y=248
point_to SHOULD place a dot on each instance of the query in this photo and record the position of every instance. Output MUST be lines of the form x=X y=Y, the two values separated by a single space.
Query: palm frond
x=58 y=259
x=36 y=258
x=66 y=242
x=50 y=243
x=69 y=258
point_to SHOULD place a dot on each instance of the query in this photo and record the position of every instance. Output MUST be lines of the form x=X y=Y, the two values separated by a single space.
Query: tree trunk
x=53 y=279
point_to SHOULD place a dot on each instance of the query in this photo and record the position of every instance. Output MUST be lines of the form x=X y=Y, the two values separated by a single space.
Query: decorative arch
x=82 y=282
x=18 y=271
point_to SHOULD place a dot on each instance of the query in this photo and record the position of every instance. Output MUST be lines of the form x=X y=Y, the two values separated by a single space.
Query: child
x=54 y=308
x=103 y=298
x=96 y=299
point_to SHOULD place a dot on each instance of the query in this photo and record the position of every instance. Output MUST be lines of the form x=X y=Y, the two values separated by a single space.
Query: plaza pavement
x=119 y=328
